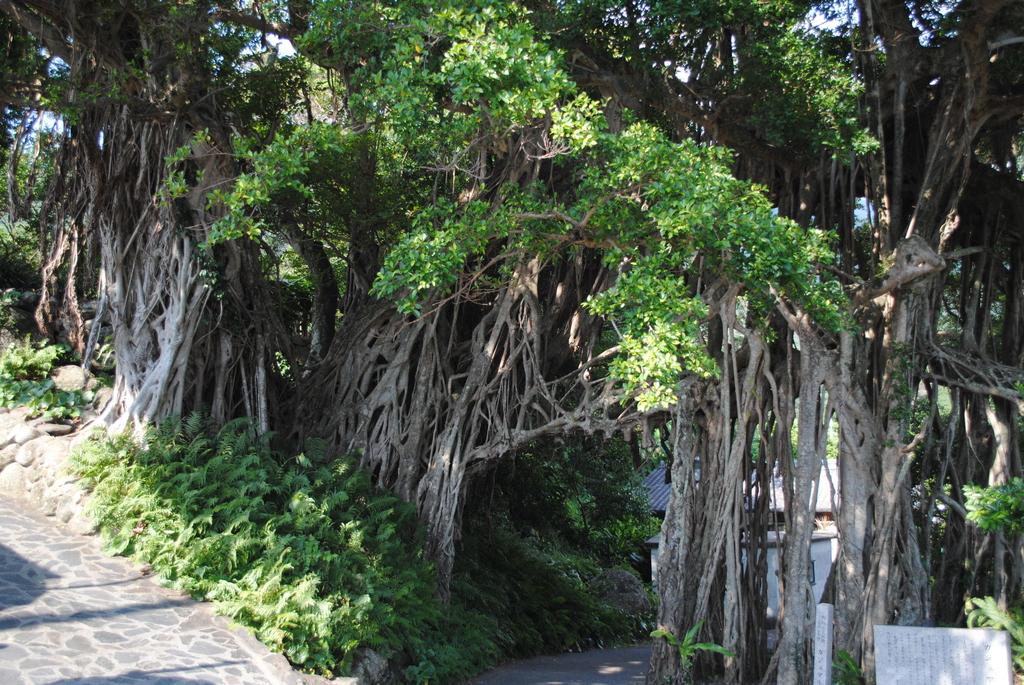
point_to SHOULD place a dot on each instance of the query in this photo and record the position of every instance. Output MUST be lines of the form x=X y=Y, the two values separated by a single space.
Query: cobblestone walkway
x=70 y=615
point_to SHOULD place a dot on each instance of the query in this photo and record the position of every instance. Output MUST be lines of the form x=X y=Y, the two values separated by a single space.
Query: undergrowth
x=540 y=593
x=25 y=382
x=319 y=564
x=304 y=552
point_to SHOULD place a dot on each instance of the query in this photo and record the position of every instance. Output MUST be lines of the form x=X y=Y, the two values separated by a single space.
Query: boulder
x=55 y=498
x=102 y=397
x=55 y=428
x=69 y=377
x=7 y=455
x=69 y=505
x=372 y=669
x=23 y=434
x=27 y=453
x=12 y=479
x=10 y=422
x=17 y=322
x=53 y=453
x=622 y=590
x=81 y=524
x=17 y=414
x=48 y=500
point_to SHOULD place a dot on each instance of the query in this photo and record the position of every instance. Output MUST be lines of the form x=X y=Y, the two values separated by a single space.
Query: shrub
x=24 y=381
x=997 y=509
x=984 y=612
x=19 y=255
x=538 y=593
x=319 y=564
x=584 y=493
x=304 y=552
x=689 y=648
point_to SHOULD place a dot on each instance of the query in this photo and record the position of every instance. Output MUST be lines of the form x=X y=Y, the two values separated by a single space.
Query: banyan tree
x=732 y=228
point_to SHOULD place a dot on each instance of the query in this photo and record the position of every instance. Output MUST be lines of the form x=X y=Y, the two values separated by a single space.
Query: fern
x=316 y=567
x=846 y=670
x=307 y=554
x=984 y=612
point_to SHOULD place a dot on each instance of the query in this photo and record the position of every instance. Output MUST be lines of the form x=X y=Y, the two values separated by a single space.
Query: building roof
x=657 y=489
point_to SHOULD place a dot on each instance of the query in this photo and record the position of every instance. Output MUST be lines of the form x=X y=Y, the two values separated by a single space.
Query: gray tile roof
x=657 y=489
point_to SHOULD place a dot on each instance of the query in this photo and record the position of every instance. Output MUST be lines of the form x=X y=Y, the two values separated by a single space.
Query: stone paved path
x=70 y=615
x=626 y=666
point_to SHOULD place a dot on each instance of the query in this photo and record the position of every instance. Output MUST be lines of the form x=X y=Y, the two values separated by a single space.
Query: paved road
x=70 y=615
x=626 y=666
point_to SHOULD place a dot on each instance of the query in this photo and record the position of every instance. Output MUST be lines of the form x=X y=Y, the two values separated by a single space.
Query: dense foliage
x=320 y=565
x=25 y=382
x=302 y=551
x=584 y=494
x=436 y=235
x=985 y=612
x=997 y=509
x=539 y=597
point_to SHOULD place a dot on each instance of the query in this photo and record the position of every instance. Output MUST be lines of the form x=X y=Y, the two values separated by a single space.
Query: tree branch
x=232 y=16
x=53 y=40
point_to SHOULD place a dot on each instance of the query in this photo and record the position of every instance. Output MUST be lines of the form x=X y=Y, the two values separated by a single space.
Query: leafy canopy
x=460 y=89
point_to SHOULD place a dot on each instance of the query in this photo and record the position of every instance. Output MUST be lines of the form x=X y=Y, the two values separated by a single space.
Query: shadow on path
x=22 y=622
x=161 y=676
x=126 y=581
x=21 y=581
x=133 y=678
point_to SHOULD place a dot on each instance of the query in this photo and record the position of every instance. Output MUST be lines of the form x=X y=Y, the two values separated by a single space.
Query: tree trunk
x=795 y=587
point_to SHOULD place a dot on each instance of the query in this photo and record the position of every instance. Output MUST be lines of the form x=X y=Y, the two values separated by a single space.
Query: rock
x=72 y=504
x=55 y=428
x=26 y=300
x=17 y=324
x=622 y=590
x=10 y=422
x=311 y=679
x=52 y=454
x=80 y=524
x=7 y=455
x=23 y=434
x=60 y=491
x=69 y=377
x=18 y=414
x=12 y=479
x=102 y=397
x=372 y=669
x=48 y=501
x=7 y=429
x=27 y=454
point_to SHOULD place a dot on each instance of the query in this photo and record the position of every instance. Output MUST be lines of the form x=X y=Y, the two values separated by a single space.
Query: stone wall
x=33 y=459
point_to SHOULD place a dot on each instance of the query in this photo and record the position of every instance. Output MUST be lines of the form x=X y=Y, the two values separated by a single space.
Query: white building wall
x=823 y=552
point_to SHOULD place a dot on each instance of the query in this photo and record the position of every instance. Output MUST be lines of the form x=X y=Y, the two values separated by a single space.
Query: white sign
x=942 y=656
x=823 y=645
